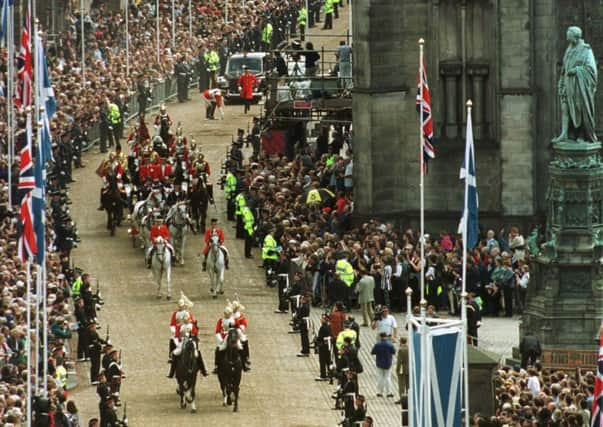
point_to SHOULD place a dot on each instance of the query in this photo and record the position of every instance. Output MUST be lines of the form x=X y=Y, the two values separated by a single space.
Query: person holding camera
x=384 y=322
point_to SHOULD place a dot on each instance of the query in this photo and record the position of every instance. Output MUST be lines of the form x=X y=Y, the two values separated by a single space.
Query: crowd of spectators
x=541 y=397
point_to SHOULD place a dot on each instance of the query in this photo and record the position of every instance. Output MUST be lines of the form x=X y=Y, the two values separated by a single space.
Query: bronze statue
x=577 y=87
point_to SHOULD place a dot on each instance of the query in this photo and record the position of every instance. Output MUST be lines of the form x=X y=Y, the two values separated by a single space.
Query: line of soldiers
x=106 y=372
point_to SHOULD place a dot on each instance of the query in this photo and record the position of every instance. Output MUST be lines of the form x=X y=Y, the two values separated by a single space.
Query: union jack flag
x=23 y=95
x=597 y=416
x=424 y=106
x=26 y=172
x=27 y=238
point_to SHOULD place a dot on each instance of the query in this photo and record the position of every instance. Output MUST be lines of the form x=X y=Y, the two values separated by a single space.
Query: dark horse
x=230 y=367
x=188 y=365
x=200 y=198
x=112 y=204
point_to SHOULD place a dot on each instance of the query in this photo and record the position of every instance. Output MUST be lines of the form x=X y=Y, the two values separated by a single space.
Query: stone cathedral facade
x=505 y=55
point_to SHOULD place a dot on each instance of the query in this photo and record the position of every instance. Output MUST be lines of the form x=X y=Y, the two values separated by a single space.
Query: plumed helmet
x=184 y=302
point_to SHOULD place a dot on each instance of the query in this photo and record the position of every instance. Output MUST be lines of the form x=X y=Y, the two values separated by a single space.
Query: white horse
x=141 y=224
x=215 y=267
x=161 y=264
x=178 y=222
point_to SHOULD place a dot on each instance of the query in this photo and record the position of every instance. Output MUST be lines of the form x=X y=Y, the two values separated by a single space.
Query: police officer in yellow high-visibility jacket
x=267 y=36
x=269 y=251
x=230 y=187
x=302 y=17
x=212 y=59
x=114 y=117
x=345 y=273
x=240 y=203
x=328 y=8
x=249 y=223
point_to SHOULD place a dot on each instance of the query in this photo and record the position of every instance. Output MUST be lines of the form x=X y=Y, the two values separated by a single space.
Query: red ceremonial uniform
x=247 y=82
x=155 y=171
x=210 y=232
x=174 y=323
x=165 y=170
x=213 y=95
x=196 y=169
x=144 y=172
x=223 y=326
x=241 y=322
x=158 y=118
x=160 y=230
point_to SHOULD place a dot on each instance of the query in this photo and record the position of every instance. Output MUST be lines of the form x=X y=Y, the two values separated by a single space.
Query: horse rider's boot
x=172 y=368
x=205 y=263
x=244 y=360
x=225 y=261
x=215 y=371
x=246 y=353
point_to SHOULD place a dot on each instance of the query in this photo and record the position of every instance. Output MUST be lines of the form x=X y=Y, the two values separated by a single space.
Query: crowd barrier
x=160 y=93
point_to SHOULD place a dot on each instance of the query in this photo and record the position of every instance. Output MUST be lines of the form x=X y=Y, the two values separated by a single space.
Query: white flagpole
x=10 y=111
x=45 y=325
x=36 y=95
x=425 y=407
x=465 y=248
x=306 y=26
x=157 y=29
x=190 y=20
x=127 y=39
x=28 y=343
x=37 y=314
x=173 y=27
x=410 y=398
x=83 y=36
x=226 y=11
x=421 y=169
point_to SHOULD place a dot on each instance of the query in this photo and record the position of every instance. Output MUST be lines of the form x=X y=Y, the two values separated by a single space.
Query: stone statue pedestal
x=565 y=294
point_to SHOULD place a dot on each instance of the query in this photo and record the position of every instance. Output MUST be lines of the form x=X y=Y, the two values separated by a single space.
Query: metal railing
x=323 y=83
x=160 y=93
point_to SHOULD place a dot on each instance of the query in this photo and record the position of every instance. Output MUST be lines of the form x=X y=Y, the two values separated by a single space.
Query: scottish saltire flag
x=4 y=15
x=597 y=416
x=27 y=237
x=47 y=99
x=424 y=110
x=23 y=95
x=441 y=371
x=470 y=206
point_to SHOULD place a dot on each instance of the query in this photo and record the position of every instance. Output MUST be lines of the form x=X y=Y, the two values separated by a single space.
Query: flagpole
x=173 y=27
x=28 y=342
x=83 y=31
x=127 y=39
x=190 y=20
x=37 y=313
x=10 y=111
x=464 y=294
x=157 y=29
x=425 y=409
x=45 y=325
